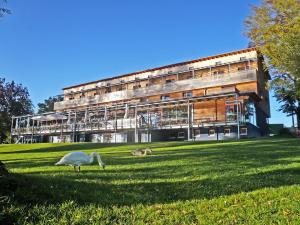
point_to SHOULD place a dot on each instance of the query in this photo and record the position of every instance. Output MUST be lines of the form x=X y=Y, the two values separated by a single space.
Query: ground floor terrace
x=221 y=116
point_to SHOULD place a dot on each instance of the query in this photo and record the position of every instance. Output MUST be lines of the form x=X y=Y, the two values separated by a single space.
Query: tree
x=3 y=10
x=48 y=104
x=289 y=104
x=274 y=27
x=14 y=101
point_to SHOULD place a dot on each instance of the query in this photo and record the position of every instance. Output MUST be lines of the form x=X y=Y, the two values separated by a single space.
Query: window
x=144 y=99
x=108 y=90
x=219 y=72
x=226 y=132
x=250 y=113
x=136 y=86
x=187 y=94
x=218 y=63
x=121 y=88
x=211 y=132
x=170 y=81
x=196 y=133
x=231 y=114
x=243 y=58
x=243 y=68
x=181 y=135
x=165 y=97
x=244 y=131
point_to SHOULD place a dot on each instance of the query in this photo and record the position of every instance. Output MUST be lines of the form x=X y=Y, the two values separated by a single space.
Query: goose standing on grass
x=142 y=152
x=80 y=158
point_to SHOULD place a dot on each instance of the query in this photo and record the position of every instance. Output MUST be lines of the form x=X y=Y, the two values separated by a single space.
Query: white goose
x=80 y=158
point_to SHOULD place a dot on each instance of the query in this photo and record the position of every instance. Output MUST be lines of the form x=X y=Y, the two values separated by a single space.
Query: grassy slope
x=247 y=182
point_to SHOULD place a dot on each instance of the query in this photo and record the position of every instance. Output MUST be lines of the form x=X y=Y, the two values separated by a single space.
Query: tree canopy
x=48 y=104
x=14 y=101
x=274 y=27
x=4 y=10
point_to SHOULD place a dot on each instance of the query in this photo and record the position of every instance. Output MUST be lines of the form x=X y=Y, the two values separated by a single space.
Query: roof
x=167 y=66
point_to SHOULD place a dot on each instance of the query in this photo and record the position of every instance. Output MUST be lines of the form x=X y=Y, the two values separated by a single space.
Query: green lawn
x=246 y=182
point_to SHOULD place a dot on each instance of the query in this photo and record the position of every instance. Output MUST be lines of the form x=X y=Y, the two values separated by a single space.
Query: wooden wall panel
x=250 y=86
x=204 y=110
x=199 y=92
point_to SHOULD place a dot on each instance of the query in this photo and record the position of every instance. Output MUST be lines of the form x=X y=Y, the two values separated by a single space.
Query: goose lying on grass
x=80 y=158
x=141 y=152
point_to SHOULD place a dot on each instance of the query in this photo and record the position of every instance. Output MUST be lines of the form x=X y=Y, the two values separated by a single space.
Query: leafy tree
x=3 y=10
x=14 y=101
x=274 y=27
x=288 y=102
x=48 y=104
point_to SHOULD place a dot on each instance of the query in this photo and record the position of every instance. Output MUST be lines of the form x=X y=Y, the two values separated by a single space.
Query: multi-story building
x=212 y=98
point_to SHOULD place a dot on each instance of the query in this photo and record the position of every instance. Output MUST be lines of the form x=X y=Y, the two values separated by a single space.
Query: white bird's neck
x=93 y=155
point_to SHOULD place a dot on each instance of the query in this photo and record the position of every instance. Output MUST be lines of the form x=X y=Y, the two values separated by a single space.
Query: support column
x=105 y=117
x=136 y=133
x=148 y=130
x=32 y=131
x=85 y=118
x=237 y=117
x=17 y=123
x=189 y=121
x=11 y=129
x=74 y=128
x=216 y=111
x=61 y=131
x=192 y=121
x=116 y=124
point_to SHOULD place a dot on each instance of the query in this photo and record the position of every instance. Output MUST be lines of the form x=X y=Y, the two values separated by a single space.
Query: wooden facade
x=224 y=94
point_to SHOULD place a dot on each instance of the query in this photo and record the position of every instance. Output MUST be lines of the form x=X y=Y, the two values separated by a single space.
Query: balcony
x=159 y=89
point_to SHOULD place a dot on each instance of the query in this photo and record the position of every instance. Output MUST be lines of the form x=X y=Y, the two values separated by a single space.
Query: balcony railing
x=124 y=124
x=159 y=89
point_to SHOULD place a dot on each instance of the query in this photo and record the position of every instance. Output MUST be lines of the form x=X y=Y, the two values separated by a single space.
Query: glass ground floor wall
x=144 y=136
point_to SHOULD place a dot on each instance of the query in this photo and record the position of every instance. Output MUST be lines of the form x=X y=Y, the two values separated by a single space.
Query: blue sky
x=47 y=45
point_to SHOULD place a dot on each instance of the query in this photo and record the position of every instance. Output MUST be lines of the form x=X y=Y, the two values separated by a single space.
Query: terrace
x=158 y=89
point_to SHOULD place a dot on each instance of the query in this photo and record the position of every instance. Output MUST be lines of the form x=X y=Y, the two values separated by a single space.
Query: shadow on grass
x=176 y=171
x=52 y=190
x=247 y=154
x=99 y=146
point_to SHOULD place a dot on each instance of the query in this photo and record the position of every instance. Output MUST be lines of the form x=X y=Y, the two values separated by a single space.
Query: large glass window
x=231 y=113
x=250 y=113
